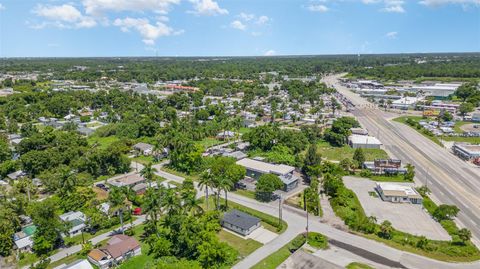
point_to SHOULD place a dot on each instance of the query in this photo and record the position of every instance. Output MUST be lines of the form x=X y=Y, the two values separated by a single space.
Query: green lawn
x=384 y=178
x=357 y=265
x=180 y=174
x=473 y=140
x=340 y=153
x=403 y=119
x=144 y=159
x=103 y=142
x=276 y=258
x=243 y=246
x=317 y=240
x=209 y=142
x=459 y=124
x=246 y=193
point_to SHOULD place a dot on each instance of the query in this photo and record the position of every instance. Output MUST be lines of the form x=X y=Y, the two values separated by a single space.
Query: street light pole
x=280 y=211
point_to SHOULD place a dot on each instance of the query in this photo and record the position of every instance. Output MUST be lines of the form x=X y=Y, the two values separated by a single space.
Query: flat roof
x=364 y=139
x=264 y=167
x=471 y=149
x=126 y=180
x=391 y=189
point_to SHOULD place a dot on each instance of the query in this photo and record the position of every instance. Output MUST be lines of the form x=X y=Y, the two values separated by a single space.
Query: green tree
x=148 y=172
x=445 y=212
x=359 y=157
x=464 y=235
x=465 y=108
x=49 y=226
x=206 y=181
x=266 y=185
x=215 y=254
x=410 y=174
x=386 y=230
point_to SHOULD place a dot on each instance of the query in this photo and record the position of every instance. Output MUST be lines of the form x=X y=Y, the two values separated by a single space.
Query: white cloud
x=318 y=8
x=97 y=7
x=236 y=24
x=63 y=16
x=394 y=6
x=207 y=7
x=263 y=19
x=2 y=7
x=391 y=35
x=149 y=32
x=256 y=33
x=246 y=17
x=270 y=53
x=433 y=3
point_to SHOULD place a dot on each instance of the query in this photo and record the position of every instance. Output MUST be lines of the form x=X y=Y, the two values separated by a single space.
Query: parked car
x=137 y=211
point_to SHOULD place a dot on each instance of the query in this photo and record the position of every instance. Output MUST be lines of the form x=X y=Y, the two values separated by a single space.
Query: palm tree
x=148 y=173
x=152 y=205
x=116 y=199
x=206 y=181
x=223 y=184
x=190 y=202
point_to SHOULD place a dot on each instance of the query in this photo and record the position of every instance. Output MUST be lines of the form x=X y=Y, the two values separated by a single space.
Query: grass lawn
x=357 y=265
x=180 y=174
x=269 y=222
x=340 y=153
x=144 y=159
x=244 y=130
x=246 y=193
x=103 y=142
x=209 y=142
x=473 y=140
x=138 y=262
x=101 y=194
x=317 y=240
x=459 y=124
x=384 y=178
x=28 y=258
x=403 y=119
x=276 y=258
x=243 y=246
x=67 y=260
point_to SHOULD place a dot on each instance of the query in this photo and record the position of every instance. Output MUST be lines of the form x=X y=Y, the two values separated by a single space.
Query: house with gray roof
x=240 y=222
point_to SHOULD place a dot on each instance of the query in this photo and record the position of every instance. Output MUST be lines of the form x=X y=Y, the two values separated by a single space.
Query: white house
x=364 y=141
x=76 y=219
x=397 y=193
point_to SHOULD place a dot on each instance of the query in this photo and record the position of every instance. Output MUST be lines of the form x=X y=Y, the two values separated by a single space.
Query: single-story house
x=119 y=248
x=79 y=264
x=364 y=141
x=76 y=220
x=398 y=193
x=226 y=135
x=238 y=155
x=143 y=148
x=240 y=222
x=24 y=239
x=128 y=180
x=256 y=168
x=16 y=175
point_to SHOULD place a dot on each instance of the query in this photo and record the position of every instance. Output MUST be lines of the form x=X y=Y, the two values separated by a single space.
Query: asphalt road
x=451 y=180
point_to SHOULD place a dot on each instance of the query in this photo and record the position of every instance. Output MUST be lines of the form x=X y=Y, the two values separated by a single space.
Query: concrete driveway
x=262 y=235
x=405 y=217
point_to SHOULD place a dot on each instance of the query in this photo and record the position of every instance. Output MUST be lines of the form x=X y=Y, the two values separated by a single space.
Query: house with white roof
x=364 y=141
x=76 y=220
x=256 y=168
x=398 y=193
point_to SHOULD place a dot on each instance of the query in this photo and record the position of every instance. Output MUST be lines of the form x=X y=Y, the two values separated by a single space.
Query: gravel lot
x=405 y=217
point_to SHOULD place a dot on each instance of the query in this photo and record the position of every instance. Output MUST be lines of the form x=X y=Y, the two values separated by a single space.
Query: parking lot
x=405 y=217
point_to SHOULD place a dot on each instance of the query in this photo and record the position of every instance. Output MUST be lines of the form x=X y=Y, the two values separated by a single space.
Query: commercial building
x=476 y=117
x=466 y=151
x=397 y=193
x=385 y=166
x=240 y=222
x=440 y=90
x=405 y=103
x=364 y=141
x=257 y=168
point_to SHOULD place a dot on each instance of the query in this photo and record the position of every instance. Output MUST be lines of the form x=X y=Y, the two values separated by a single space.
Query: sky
x=96 y=28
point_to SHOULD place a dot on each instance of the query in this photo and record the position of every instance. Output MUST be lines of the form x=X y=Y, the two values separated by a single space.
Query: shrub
x=317 y=240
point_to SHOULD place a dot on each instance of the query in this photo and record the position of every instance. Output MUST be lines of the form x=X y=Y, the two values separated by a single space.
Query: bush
x=317 y=240
x=296 y=243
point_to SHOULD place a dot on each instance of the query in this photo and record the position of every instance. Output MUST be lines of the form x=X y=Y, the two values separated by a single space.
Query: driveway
x=262 y=235
x=405 y=217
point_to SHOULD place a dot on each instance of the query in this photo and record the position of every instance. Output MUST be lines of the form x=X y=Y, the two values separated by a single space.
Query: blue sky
x=81 y=28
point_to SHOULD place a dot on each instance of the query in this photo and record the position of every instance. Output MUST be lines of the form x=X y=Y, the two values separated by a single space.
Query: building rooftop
x=120 y=244
x=469 y=148
x=142 y=146
x=390 y=189
x=126 y=180
x=265 y=168
x=240 y=219
x=364 y=139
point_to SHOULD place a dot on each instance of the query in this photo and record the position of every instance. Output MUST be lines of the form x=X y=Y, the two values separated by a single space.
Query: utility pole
x=306 y=210
x=280 y=211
